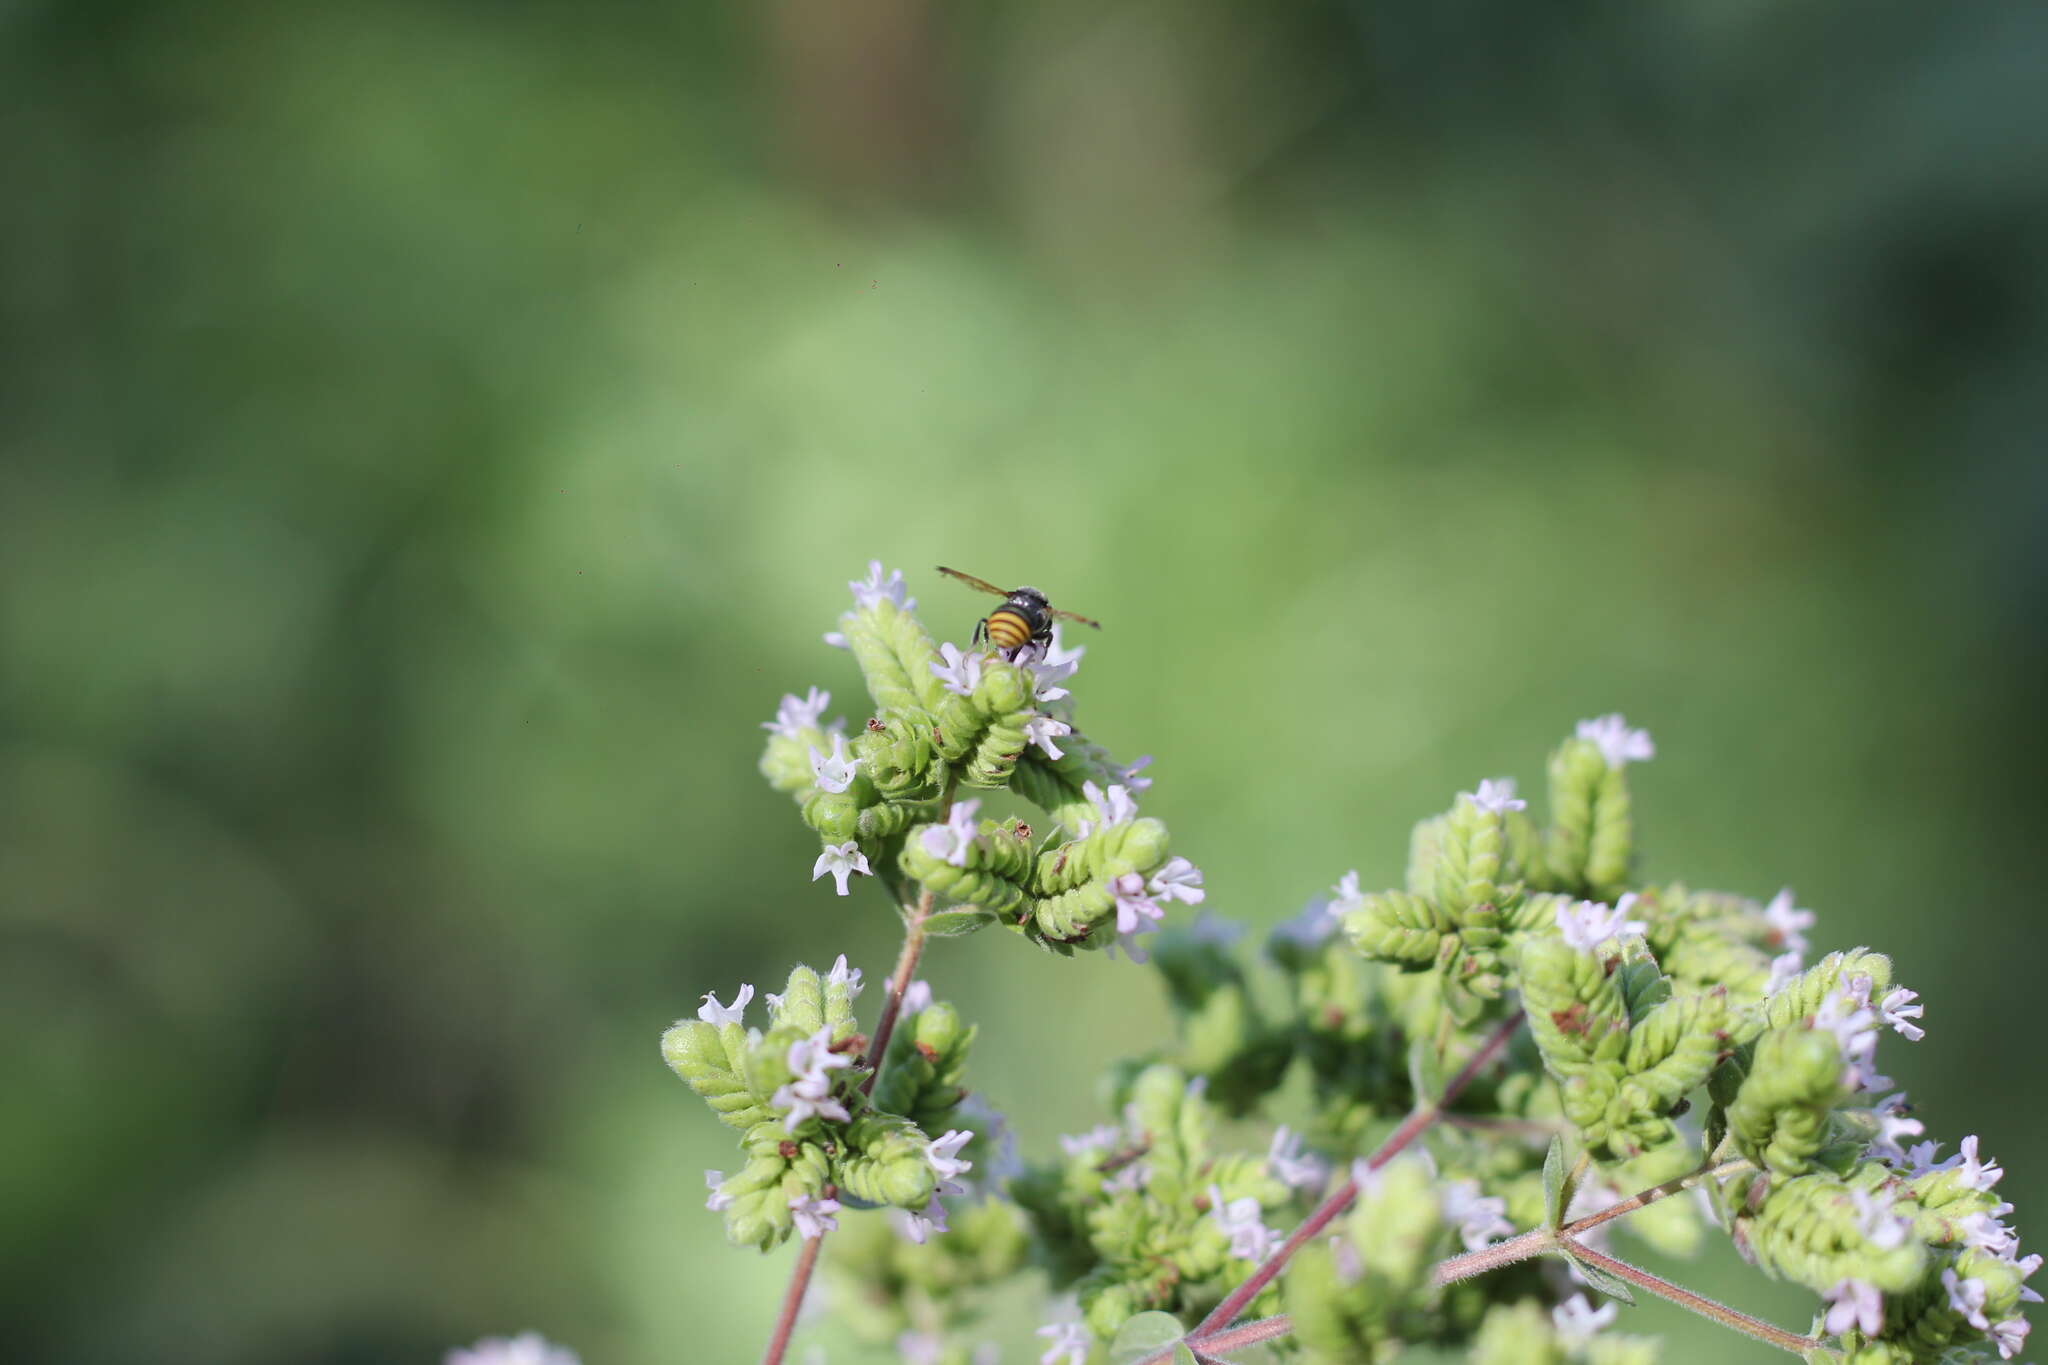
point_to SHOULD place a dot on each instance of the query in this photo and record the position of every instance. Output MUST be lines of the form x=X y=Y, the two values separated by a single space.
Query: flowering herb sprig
x=1485 y=1072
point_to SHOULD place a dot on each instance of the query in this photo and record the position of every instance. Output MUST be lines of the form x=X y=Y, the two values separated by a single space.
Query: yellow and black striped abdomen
x=1008 y=628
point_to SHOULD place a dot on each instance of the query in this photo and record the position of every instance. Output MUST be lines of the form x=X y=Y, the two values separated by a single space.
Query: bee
x=1025 y=617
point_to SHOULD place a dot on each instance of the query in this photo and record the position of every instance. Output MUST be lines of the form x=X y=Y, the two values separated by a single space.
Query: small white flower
x=917 y=996
x=528 y=1348
x=1785 y=969
x=1114 y=805
x=1056 y=663
x=1984 y=1231
x=841 y=861
x=943 y=1153
x=1070 y=1344
x=1293 y=1167
x=1127 y=1179
x=1100 y=1138
x=1241 y=1221
x=711 y=1012
x=1618 y=744
x=1788 y=923
x=834 y=771
x=1132 y=770
x=867 y=592
x=1966 y=1296
x=809 y=1092
x=1345 y=895
x=718 y=1202
x=1133 y=905
x=949 y=842
x=1132 y=945
x=1978 y=1175
x=2009 y=1336
x=1480 y=1218
x=1180 y=880
x=795 y=714
x=1856 y=1305
x=918 y=1227
x=1897 y=1010
x=1855 y=1028
x=1578 y=1322
x=843 y=975
x=1043 y=730
x=961 y=673
x=813 y=1216
x=1921 y=1157
x=837 y=639
x=1496 y=796
x=1881 y=1227
x=1588 y=924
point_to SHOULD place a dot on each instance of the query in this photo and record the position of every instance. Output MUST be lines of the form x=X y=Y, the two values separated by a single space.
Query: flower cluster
x=1520 y=1049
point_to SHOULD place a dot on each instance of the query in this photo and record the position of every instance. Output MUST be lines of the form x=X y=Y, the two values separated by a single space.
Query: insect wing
x=1073 y=616
x=971 y=581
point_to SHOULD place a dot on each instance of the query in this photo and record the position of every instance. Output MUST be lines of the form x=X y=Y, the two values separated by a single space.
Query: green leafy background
x=435 y=434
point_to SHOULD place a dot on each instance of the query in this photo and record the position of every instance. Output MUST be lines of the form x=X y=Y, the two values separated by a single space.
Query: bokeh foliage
x=434 y=434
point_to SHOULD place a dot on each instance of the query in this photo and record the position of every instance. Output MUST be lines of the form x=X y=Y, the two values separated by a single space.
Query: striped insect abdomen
x=1008 y=628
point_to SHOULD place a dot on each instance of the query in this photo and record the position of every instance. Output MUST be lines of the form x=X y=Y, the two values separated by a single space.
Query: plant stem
x=1340 y=1199
x=1644 y=1198
x=1698 y=1303
x=899 y=982
x=792 y=1300
x=1246 y=1334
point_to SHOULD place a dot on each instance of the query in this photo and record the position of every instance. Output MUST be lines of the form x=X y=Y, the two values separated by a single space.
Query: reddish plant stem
x=1247 y=1334
x=792 y=1300
x=885 y=1025
x=1340 y=1199
x=1698 y=1303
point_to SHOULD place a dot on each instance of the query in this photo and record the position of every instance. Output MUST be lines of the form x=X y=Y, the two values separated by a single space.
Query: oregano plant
x=1493 y=1066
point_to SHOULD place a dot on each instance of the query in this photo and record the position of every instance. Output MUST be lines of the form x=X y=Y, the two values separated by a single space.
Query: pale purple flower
x=1921 y=1157
x=1578 y=1322
x=1043 y=730
x=918 y=1227
x=843 y=975
x=834 y=771
x=1133 y=905
x=795 y=714
x=867 y=592
x=1210 y=927
x=1131 y=772
x=1855 y=1029
x=1978 y=1175
x=919 y=1348
x=1070 y=1344
x=1310 y=928
x=1893 y=1123
x=1496 y=796
x=949 y=842
x=1785 y=969
x=961 y=673
x=1984 y=1231
x=1897 y=1010
x=1880 y=1226
x=813 y=1216
x=1618 y=744
x=1128 y=1179
x=1132 y=946
x=837 y=639
x=999 y=1145
x=1291 y=1165
x=1966 y=1296
x=943 y=1153
x=1180 y=880
x=718 y=1201
x=1242 y=1223
x=1588 y=924
x=1480 y=1218
x=1101 y=1138
x=528 y=1348
x=2009 y=1336
x=1788 y=923
x=1114 y=805
x=711 y=1012
x=1856 y=1305
x=841 y=861
x=917 y=996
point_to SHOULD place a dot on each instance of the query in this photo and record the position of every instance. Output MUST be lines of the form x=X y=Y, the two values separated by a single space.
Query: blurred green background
x=436 y=434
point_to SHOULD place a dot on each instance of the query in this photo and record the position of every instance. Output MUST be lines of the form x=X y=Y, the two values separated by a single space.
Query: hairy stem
x=1340 y=1198
x=1699 y=1303
x=1246 y=1334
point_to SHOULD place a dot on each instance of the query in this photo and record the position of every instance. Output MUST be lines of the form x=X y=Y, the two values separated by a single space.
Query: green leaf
x=957 y=922
x=1612 y=1286
x=1425 y=1071
x=1145 y=1335
x=1553 y=1183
